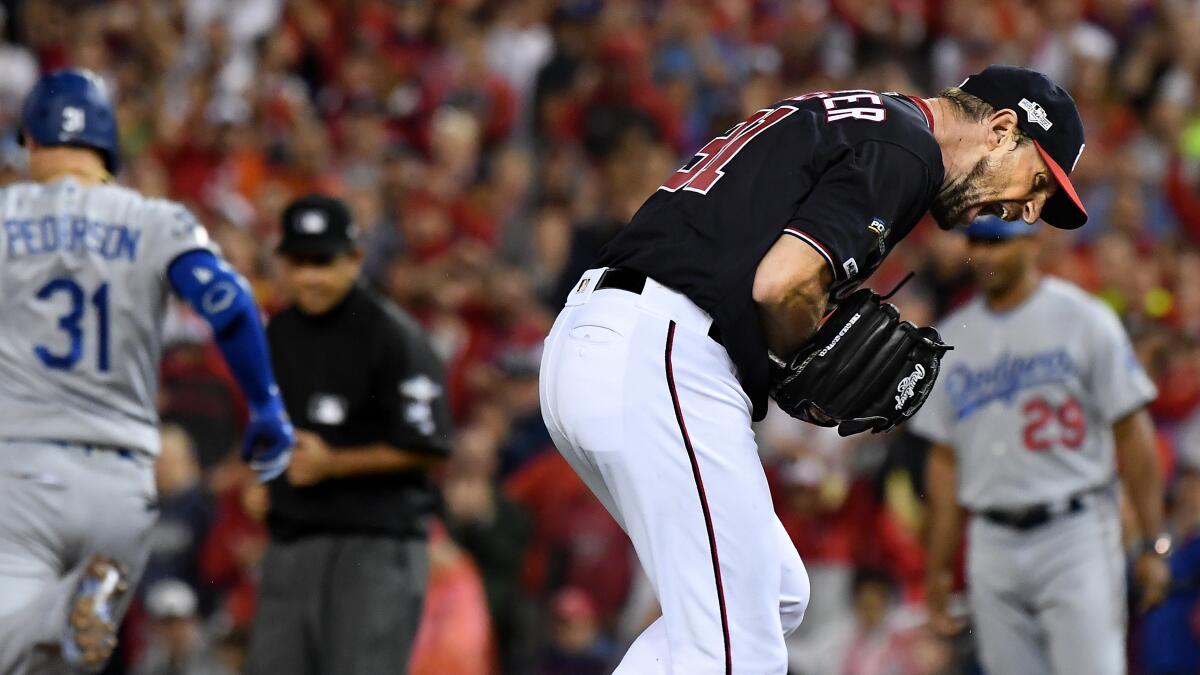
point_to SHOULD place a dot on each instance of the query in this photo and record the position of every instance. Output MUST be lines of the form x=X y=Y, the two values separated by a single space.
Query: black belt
x=622 y=280
x=1030 y=517
x=635 y=282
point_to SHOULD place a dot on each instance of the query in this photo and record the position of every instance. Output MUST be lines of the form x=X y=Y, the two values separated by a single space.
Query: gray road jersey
x=1028 y=397
x=83 y=293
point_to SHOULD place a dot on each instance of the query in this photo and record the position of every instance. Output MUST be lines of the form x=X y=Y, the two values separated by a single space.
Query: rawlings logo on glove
x=907 y=385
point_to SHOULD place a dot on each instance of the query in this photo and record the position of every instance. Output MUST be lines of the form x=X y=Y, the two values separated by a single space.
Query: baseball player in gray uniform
x=85 y=270
x=1040 y=407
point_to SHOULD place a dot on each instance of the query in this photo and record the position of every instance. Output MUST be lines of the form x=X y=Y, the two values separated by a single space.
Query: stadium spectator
x=574 y=541
x=185 y=512
x=230 y=561
x=577 y=645
x=177 y=644
x=494 y=531
x=879 y=643
x=198 y=394
x=456 y=631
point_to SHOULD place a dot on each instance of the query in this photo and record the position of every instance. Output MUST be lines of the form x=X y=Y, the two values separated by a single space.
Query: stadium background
x=488 y=149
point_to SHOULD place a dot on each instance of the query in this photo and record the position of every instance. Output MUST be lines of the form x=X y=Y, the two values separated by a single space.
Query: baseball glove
x=863 y=370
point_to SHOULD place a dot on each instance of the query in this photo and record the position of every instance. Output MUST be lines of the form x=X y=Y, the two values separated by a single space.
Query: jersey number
x=706 y=168
x=1038 y=416
x=69 y=324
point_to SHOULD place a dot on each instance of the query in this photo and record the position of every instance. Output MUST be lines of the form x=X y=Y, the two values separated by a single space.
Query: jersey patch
x=187 y=228
x=1036 y=114
x=328 y=409
x=880 y=229
x=421 y=391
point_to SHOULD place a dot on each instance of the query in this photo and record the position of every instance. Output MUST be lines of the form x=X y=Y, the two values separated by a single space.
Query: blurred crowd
x=488 y=148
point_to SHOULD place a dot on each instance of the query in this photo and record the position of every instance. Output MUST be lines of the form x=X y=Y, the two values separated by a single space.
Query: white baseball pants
x=648 y=411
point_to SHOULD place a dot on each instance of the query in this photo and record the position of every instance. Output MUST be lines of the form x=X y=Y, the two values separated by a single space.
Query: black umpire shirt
x=359 y=374
x=848 y=172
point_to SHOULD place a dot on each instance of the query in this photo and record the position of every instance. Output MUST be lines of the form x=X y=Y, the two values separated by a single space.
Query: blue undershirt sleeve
x=223 y=298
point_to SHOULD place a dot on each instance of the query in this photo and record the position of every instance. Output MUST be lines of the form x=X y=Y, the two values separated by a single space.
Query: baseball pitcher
x=85 y=271
x=1038 y=405
x=712 y=299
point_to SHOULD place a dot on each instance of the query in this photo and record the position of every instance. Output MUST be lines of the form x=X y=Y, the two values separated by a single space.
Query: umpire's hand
x=312 y=460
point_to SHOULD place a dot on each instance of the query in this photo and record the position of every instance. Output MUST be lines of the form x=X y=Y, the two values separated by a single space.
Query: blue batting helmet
x=71 y=107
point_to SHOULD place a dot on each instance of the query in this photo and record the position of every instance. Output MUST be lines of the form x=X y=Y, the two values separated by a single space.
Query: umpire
x=344 y=576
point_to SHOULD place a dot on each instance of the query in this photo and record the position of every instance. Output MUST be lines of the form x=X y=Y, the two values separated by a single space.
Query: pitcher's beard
x=951 y=204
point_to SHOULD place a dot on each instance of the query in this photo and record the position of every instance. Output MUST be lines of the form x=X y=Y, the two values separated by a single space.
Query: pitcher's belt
x=635 y=282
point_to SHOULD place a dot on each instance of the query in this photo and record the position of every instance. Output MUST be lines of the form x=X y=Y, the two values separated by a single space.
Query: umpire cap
x=71 y=107
x=1047 y=114
x=317 y=225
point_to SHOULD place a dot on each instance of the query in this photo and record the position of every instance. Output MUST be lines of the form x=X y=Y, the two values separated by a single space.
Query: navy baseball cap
x=993 y=228
x=316 y=225
x=1047 y=114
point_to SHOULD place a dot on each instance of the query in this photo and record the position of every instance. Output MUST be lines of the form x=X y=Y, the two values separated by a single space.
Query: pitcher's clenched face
x=1010 y=181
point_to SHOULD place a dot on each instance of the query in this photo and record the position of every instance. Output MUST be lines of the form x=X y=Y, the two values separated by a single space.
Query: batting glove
x=267 y=444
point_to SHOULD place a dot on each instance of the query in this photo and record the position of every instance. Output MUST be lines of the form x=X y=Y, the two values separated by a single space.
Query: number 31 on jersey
x=69 y=324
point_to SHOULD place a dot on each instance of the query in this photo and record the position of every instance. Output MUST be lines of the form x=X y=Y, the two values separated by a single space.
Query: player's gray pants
x=1050 y=600
x=60 y=504
x=338 y=605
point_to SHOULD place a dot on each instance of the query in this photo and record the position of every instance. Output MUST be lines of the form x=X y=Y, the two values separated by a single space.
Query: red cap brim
x=1064 y=209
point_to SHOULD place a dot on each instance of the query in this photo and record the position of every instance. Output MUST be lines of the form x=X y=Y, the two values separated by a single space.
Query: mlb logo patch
x=1036 y=113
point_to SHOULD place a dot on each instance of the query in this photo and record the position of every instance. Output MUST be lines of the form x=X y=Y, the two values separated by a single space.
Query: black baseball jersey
x=848 y=172
x=362 y=373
